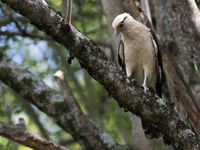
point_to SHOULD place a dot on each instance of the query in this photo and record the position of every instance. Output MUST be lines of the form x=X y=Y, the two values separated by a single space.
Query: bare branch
x=181 y=92
x=65 y=112
x=31 y=112
x=19 y=134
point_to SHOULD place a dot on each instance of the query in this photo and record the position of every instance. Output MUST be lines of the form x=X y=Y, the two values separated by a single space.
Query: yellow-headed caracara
x=139 y=52
x=140 y=57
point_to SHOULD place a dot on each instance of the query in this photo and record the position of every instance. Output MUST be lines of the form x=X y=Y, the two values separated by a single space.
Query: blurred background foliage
x=39 y=54
x=198 y=3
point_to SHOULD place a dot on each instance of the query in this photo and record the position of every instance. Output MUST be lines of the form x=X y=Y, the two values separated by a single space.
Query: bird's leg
x=144 y=84
x=129 y=72
x=130 y=78
x=128 y=75
x=145 y=81
x=133 y=80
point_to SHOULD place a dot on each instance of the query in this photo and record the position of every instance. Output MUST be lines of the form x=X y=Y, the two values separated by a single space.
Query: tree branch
x=178 y=25
x=179 y=91
x=66 y=114
x=180 y=38
x=35 y=117
x=19 y=134
x=151 y=108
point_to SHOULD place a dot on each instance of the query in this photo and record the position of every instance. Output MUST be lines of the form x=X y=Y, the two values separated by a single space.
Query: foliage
x=34 y=50
x=198 y=3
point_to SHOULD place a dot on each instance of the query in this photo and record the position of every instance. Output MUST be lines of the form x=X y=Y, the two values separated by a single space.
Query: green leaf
x=197 y=70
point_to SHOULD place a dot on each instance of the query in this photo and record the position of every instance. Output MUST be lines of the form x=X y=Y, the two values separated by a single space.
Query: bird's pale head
x=119 y=23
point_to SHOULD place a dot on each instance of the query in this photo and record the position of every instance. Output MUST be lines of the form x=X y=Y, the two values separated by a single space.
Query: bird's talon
x=145 y=88
x=128 y=80
x=134 y=62
x=133 y=80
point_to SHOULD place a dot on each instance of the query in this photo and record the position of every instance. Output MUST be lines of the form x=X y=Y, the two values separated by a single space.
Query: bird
x=140 y=57
x=139 y=53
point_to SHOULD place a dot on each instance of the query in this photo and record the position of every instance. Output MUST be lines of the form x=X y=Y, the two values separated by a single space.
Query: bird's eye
x=121 y=24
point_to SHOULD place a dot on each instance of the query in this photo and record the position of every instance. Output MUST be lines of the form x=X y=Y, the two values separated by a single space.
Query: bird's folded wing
x=121 y=57
x=159 y=67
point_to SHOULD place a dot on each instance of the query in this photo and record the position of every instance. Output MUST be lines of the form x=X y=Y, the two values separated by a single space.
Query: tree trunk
x=178 y=24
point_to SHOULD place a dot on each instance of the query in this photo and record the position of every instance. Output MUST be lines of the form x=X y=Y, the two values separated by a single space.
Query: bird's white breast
x=138 y=53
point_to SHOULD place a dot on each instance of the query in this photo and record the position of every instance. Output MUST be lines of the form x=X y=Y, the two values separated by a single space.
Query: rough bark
x=19 y=134
x=148 y=106
x=63 y=110
x=178 y=25
x=184 y=101
x=179 y=92
x=111 y=12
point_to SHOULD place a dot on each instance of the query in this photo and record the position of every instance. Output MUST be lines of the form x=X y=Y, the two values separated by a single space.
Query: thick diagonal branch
x=147 y=106
x=19 y=134
x=66 y=113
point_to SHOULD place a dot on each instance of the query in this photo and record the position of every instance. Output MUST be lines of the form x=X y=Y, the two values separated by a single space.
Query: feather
x=139 y=55
x=159 y=67
x=121 y=60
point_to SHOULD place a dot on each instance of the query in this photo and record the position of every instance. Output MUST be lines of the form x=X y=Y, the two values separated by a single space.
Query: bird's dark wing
x=149 y=130
x=121 y=58
x=159 y=66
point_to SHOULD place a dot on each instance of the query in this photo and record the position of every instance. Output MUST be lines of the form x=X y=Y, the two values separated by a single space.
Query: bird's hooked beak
x=116 y=33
